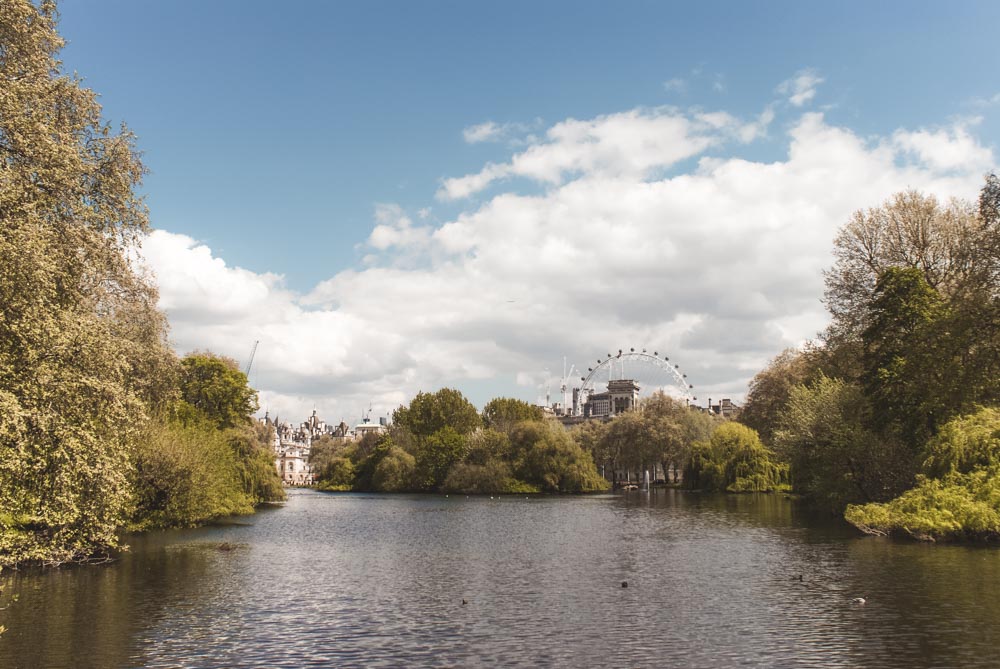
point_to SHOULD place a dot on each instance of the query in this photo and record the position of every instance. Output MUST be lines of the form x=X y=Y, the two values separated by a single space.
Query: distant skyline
x=396 y=197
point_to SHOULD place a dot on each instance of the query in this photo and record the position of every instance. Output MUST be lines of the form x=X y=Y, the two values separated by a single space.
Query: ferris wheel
x=652 y=372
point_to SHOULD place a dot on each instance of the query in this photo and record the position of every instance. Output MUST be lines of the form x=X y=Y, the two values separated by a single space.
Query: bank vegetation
x=102 y=427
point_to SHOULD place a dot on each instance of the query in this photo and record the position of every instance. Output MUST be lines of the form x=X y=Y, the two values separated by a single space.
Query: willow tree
x=83 y=359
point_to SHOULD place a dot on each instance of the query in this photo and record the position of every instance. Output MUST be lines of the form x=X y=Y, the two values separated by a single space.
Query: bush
x=960 y=506
x=338 y=475
x=550 y=459
x=186 y=475
x=734 y=460
x=493 y=477
x=394 y=471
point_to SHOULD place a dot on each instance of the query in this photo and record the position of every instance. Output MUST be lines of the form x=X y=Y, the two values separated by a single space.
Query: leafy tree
x=503 y=413
x=487 y=445
x=185 y=475
x=770 y=390
x=546 y=456
x=339 y=474
x=83 y=354
x=964 y=444
x=943 y=243
x=835 y=457
x=590 y=435
x=957 y=496
x=215 y=386
x=430 y=412
x=437 y=454
x=898 y=352
x=734 y=460
x=394 y=471
x=493 y=476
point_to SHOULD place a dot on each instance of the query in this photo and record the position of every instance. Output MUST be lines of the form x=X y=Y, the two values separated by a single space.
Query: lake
x=342 y=580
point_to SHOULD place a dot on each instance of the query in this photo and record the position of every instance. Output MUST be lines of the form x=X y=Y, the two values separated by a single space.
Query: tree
x=734 y=460
x=770 y=390
x=503 y=413
x=430 y=412
x=901 y=351
x=83 y=354
x=957 y=495
x=215 y=386
x=835 y=458
x=437 y=454
x=546 y=456
x=944 y=243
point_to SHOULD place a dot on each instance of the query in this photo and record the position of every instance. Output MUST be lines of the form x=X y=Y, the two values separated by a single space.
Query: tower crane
x=253 y=351
x=564 y=385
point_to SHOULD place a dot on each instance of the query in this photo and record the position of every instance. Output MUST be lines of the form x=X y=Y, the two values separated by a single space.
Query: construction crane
x=253 y=351
x=564 y=386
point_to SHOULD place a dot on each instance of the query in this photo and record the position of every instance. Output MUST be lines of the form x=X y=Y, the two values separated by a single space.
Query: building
x=725 y=408
x=622 y=395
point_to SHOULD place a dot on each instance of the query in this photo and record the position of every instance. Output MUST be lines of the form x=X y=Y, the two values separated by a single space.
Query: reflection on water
x=352 y=580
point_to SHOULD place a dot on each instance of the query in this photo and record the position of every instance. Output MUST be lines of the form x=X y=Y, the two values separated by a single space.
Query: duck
x=859 y=600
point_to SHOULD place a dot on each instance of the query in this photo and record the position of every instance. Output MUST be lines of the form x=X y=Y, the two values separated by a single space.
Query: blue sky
x=280 y=135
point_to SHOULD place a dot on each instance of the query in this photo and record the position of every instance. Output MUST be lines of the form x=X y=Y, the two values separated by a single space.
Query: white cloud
x=628 y=144
x=490 y=131
x=719 y=265
x=945 y=148
x=675 y=85
x=801 y=88
x=484 y=132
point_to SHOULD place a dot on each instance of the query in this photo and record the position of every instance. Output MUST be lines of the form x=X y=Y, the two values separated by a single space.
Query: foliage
x=897 y=361
x=431 y=412
x=486 y=445
x=958 y=506
x=835 y=457
x=185 y=475
x=546 y=456
x=958 y=494
x=964 y=444
x=770 y=390
x=255 y=462
x=503 y=413
x=83 y=354
x=944 y=243
x=395 y=471
x=492 y=476
x=215 y=386
x=437 y=454
x=734 y=460
x=661 y=430
x=339 y=474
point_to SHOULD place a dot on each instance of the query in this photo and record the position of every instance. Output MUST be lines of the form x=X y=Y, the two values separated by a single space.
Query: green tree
x=431 y=412
x=770 y=390
x=394 y=471
x=547 y=457
x=437 y=454
x=900 y=320
x=734 y=460
x=503 y=413
x=215 y=386
x=835 y=457
x=83 y=354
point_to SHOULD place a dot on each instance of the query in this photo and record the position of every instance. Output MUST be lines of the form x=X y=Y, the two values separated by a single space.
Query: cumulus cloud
x=629 y=144
x=719 y=265
x=801 y=88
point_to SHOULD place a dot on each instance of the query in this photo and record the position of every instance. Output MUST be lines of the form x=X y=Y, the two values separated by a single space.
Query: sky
x=394 y=197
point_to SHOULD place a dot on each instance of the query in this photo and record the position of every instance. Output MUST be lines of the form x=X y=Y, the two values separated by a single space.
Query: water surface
x=378 y=580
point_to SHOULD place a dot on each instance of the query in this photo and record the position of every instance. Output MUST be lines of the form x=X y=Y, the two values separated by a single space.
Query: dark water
x=368 y=580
